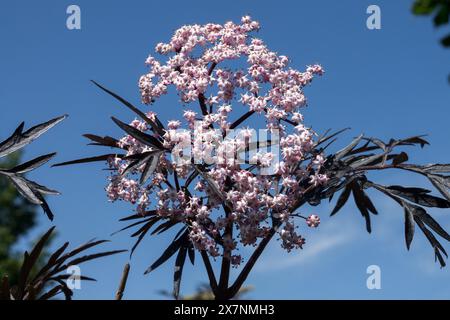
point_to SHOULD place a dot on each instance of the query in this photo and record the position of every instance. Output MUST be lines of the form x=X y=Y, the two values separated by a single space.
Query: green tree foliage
x=440 y=10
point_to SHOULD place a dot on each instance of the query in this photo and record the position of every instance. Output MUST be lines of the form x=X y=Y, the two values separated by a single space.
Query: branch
x=201 y=101
x=211 y=68
x=241 y=119
x=175 y=178
x=210 y=271
x=377 y=167
x=226 y=259
x=234 y=289
x=388 y=166
x=123 y=282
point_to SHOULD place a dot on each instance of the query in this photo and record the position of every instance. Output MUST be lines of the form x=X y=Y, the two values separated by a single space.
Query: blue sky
x=385 y=83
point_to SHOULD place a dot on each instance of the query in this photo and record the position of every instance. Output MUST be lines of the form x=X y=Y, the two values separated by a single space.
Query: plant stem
x=123 y=282
x=210 y=271
x=226 y=259
x=377 y=167
x=234 y=289
x=211 y=68
x=241 y=119
x=201 y=101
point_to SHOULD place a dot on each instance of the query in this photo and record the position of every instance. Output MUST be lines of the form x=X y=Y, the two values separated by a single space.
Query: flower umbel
x=268 y=87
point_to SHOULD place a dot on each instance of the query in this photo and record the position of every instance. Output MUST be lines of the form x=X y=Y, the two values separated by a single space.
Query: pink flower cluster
x=193 y=74
x=228 y=192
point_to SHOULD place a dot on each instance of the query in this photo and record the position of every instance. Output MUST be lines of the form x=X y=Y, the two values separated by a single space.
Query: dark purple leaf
x=156 y=126
x=103 y=157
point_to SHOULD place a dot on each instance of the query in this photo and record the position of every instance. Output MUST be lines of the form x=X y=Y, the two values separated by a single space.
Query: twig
x=226 y=259
x=201 y=101
x=175 y=178
x=210 y=271
x=241 y=119
x=211 y=68
x=234 y=289
x=123 y=282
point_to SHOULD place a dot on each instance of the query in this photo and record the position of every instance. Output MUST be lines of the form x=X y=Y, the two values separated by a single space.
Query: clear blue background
x=386 y=83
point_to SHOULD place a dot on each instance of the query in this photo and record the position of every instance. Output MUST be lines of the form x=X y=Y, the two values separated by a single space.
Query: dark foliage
x=347 y=170
x=30 y=190
x=17 y=219
x=49 y=280
x=181 y=244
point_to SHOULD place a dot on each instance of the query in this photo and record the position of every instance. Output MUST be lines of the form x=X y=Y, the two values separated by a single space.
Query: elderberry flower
x=262 y=84
x=313 y=221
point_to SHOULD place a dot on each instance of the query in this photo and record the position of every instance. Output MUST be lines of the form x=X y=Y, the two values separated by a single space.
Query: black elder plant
x=205 y=175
